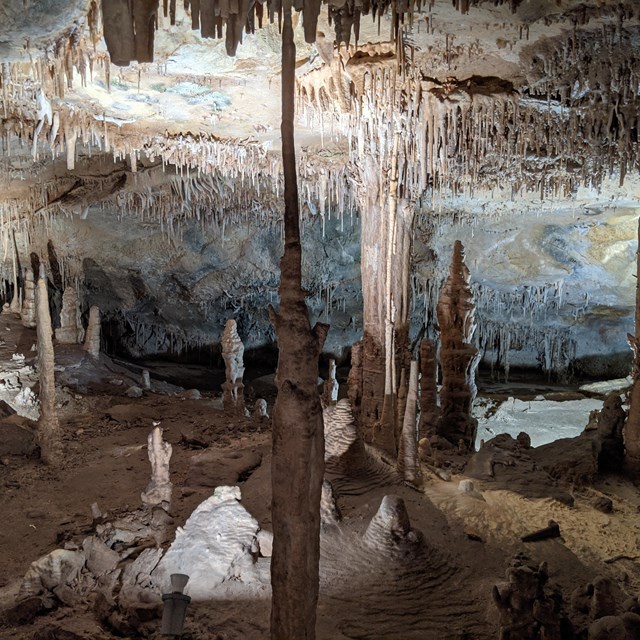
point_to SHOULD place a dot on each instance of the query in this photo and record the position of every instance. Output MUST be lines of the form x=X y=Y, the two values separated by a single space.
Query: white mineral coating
x=70 y=329
x=217 y=548
x=92 y=337
x=260 y=409
x=159 y=489
x=60 y=567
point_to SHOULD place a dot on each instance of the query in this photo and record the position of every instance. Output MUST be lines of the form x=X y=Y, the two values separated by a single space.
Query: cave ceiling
x=500 y=109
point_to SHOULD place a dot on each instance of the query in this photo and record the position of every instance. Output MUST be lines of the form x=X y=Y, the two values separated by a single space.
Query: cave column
x=387 y=226
x=632 y=428
x=297 y=466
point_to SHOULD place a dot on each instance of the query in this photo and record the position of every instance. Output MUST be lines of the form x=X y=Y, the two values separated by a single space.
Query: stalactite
x=48 y=429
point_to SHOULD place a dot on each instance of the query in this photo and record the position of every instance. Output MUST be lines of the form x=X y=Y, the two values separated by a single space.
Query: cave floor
x=446 y=593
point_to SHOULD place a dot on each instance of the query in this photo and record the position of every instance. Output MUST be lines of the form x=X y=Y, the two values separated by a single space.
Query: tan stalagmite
x=28 y=312
x=428 y=389
x=232 y=353
x=69 y=331
x=92 y=337
x=408 y=449
x=158 y=491
x=458 y=357
x=48 y=431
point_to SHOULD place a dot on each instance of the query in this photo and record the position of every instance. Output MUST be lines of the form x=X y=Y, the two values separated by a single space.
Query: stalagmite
x=331 y=387
x=408 y=450
x=297 y=466
x=48 y=431
x=16 y=300
x=428 y=389
x=232 y=353
x=69 y=331
x=158 y=491
x=92 y=337
x=354 y=381
x=28 y=313
x=458 y=357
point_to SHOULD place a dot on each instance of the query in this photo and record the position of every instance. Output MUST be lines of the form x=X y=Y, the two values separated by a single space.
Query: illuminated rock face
x=513 y=130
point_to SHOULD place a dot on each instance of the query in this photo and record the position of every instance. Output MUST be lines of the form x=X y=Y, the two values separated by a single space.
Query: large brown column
x=632 y=428
x=297 y=466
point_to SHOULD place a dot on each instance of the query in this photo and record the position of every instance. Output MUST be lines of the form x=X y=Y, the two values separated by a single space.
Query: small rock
x=466 y=486
x=603 y=504
x=134 y=392
x=472 y=534
x=443 y=475
x=265 y=542
x=116 y=381
x=79 y=432
x=35 y=514
x=524 y=440
x=192 y=394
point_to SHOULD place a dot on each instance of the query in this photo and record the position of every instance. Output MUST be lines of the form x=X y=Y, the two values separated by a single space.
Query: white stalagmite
x=69 y=332
x=28 y=313
x=48 y=434
x=408 y=450
x=331 y=386
x=92 y=338
x=232 y=353
x=158 y=491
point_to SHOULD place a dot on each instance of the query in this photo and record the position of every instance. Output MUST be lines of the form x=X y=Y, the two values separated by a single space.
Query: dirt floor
x=443 y=592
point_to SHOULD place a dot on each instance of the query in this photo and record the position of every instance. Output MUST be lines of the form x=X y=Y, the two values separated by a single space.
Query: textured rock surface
x=216 y=547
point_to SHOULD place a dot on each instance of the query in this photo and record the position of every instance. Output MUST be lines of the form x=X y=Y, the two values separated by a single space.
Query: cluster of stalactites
x=129 y=25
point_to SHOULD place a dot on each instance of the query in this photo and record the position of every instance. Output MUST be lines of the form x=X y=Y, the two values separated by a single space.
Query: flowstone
x=217 y=548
